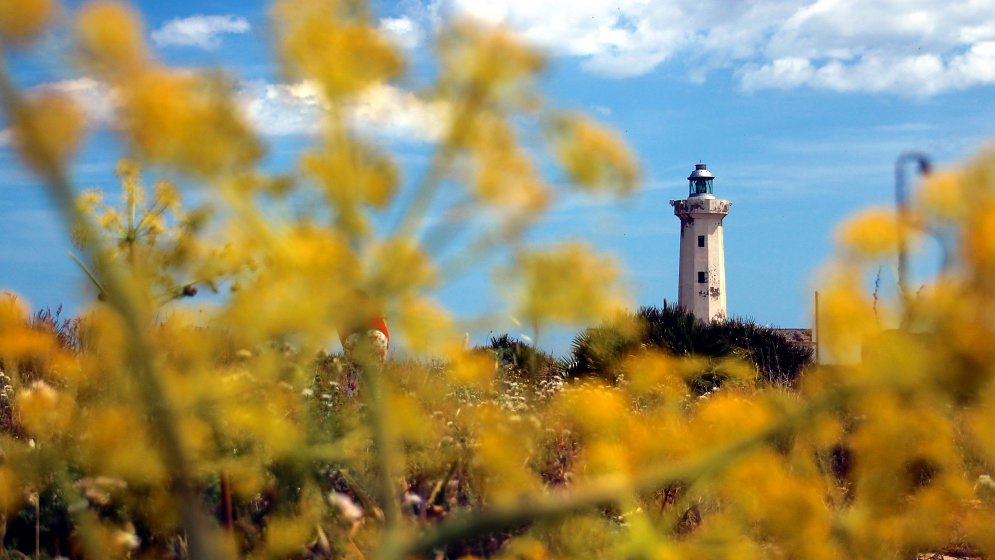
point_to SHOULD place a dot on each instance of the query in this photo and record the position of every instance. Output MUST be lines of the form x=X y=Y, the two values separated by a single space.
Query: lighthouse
x=702 y=274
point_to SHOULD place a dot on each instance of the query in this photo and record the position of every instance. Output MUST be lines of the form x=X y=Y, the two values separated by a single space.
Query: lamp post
x=923 y=167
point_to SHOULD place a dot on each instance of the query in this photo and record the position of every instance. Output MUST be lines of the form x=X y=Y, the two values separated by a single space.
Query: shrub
x=600 y=351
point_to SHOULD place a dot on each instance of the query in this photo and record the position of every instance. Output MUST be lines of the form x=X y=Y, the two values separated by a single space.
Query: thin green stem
x=416 y=206
x=146 y=221
x=609 y=489
x=89 y=273
x=448 y=230
x=84 y=518
x=381 y=424
x=414 y=210
x=120 y=296
x=479 y=249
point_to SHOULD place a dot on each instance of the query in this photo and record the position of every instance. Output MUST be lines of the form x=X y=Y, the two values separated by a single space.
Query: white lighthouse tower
x=702 y=277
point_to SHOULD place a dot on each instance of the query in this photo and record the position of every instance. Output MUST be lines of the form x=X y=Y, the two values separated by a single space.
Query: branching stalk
x=121 y=297
x=384 y=448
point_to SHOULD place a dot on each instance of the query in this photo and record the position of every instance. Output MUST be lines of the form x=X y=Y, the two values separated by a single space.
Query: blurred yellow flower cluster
x=333 y=42
x=568 y=284
x=20 y=22
x=159 y=427
x=167 y=116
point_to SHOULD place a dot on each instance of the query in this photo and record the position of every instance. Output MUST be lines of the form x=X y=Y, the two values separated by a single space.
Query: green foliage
x=521 y=360
x=778 y=359
x=600 y=351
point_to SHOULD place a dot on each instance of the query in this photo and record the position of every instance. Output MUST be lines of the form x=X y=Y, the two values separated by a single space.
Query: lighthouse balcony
x=700 y=205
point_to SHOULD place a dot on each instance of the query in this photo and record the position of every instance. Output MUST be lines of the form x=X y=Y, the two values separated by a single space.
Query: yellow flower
x=13 y=313
x=526 y=548
x=481 y=64
x=597 y=411
x=47 y=130
x=893 y=435
x=476 y=369
x=846 y=316
x=506 y=178
x=287 y=536
x=786 y=506
x=44 y=411
x=595 y=158
x=11 y=492
x=979 y=238
x=871 y=234
x=166 y=194
x=303 y=260
x=268 y=430
x=506 y=446
x=26 y=344
x=425 y=327
x=22 y=20
x=246 y=478
x=186 y=120
x=982 y=422
x=604 y=458
x=728 y=416
x=342 y=51
x=654 y=372
x=413 y=425
x=110 y=38
x=943 y=195
x=352 y=175
x=397 y=267
x=116 y=445
x=567 y=284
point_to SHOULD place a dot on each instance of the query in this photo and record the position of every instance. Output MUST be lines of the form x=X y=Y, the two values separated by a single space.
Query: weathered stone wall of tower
x=702 y=274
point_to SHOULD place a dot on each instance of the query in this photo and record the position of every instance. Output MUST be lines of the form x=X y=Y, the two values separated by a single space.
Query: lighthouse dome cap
x=701 y=172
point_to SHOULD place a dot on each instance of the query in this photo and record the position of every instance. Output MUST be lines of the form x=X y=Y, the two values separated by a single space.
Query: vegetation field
x=154 y=426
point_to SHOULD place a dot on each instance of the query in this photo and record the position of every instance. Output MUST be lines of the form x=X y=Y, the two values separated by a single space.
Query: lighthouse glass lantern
x=700 y=181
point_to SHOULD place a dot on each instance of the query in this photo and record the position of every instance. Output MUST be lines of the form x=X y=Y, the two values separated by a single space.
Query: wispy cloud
x=199 y=31
x=403 y=31
x=382 y=110
x=281 y=109
x=908 y=47
x=96 y=100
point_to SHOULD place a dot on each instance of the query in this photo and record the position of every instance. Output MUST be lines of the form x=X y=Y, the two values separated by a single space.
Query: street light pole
x=923 y=167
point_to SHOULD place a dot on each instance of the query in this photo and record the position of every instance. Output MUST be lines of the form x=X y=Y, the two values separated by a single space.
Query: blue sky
x=800 y=108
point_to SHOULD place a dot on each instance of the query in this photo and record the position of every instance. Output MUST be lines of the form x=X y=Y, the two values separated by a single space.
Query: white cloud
x=282 y=109
x=276 y=109
x=916 y=76
x=403 y=31
x=199 y=31
x=783 y=72
x=399 y=114
x=382 y=110
x=95 y=99
x=908 y=47
x=614 y=39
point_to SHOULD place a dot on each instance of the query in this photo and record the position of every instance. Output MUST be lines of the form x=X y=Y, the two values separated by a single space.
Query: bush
x=601 y=351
